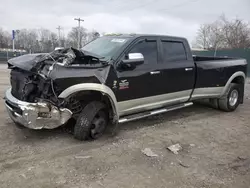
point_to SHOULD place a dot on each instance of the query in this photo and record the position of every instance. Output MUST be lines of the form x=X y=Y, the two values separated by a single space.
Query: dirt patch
x=240 y=165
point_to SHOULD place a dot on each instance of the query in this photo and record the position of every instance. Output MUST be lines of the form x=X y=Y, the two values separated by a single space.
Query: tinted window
x=148 y=49
x=173 y=51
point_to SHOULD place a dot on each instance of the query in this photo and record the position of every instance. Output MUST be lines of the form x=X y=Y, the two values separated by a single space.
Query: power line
x=179 y=5
x=165 y=9
x=144 y=5
x=79 y=27
x=134 y=8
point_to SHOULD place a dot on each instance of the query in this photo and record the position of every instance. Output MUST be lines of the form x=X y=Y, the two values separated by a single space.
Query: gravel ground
x=215 y=152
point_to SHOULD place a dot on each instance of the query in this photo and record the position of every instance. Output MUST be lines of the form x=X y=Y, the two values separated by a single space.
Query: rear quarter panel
x=216 y=73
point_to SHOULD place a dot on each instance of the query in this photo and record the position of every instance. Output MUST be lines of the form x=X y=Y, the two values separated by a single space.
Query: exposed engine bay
x=30 y=76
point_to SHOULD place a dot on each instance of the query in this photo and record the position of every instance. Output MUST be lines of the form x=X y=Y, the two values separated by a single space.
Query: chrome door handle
x=188 y=69
x=155 y=72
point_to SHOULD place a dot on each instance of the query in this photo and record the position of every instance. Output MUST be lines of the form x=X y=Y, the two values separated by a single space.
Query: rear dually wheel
x=231 y=101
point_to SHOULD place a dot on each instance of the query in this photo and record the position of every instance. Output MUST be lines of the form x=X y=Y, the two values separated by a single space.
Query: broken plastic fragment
x=148 y=152
x=175 y=148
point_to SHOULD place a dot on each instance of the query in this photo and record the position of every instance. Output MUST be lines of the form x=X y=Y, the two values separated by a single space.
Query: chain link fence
x=5 y=55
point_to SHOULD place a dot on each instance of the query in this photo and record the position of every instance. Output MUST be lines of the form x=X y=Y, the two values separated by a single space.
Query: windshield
x=105 y=46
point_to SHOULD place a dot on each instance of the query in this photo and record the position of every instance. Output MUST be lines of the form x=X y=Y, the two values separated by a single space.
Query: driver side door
x=135 y=93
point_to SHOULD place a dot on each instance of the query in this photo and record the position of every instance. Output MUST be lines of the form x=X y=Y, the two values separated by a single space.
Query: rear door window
x=173 y=51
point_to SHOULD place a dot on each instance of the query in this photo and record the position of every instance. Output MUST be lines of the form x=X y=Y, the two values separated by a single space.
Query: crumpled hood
x=25 y=62
x=63 y=57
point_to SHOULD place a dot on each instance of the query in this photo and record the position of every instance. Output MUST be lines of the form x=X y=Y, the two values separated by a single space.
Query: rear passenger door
x=178 y=70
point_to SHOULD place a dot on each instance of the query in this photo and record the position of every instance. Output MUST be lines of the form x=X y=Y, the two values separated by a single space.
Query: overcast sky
x=179 y=17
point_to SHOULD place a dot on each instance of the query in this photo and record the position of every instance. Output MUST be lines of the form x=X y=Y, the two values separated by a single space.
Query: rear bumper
x=35 y=115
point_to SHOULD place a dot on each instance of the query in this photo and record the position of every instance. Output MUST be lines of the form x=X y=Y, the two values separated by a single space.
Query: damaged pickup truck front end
x=32 y=100
x=37 y=115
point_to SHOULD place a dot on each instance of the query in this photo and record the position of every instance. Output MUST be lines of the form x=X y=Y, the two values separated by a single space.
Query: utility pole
x=79 y=27
x=14 y=34
x=13 y=39
x=59 y=35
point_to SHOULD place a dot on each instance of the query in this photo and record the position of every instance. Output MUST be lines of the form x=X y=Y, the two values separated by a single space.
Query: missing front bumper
x=35 y=115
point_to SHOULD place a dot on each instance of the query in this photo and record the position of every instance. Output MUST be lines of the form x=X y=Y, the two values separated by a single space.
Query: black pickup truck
x=117 y=79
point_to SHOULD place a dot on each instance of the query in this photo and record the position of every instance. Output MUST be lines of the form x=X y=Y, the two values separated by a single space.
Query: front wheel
x=91 y=122
x=232 y=100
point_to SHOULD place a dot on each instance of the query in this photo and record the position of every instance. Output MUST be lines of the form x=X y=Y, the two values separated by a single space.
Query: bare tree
x=63 y=41
x=223 y=34
x=92 y=35
x=54 y=40
x=73 y=37
x=2 y=39
x=43 y=40
x=22 y=41
x=48 y=40
x=236 y=33
x=210 y=36
x=27 y=39
x=202 y=38
x=5 y=39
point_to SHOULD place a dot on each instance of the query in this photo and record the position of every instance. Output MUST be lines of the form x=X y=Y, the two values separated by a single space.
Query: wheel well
x=84 y=97
x=238 y=80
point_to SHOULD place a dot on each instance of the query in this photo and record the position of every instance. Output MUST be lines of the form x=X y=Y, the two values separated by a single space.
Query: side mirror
x=134 y=59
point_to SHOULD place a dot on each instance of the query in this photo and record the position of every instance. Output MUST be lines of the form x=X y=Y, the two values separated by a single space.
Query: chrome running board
x=154 y=112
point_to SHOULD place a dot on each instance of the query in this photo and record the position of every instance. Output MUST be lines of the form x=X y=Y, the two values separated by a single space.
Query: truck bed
x=214 y=72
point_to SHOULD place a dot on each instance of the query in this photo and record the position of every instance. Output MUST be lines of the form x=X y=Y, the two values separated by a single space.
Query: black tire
x=214 y=103
x=84 y=128
x=225 y=104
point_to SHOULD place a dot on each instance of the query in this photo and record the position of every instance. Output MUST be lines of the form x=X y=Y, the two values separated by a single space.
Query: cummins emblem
x=124 y=84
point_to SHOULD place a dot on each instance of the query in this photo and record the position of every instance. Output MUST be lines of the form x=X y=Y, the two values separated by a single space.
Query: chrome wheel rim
x=233 y=98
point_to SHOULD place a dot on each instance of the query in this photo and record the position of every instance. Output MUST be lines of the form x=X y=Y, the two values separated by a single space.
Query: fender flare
x=236 y=74
x=105 y=90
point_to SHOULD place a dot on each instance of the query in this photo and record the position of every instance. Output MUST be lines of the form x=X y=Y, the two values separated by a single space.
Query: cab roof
x=134 y=36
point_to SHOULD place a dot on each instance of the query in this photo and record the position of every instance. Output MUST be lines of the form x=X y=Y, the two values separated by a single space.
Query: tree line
x=223 y=34
x=220 y=34
x=44 y=40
